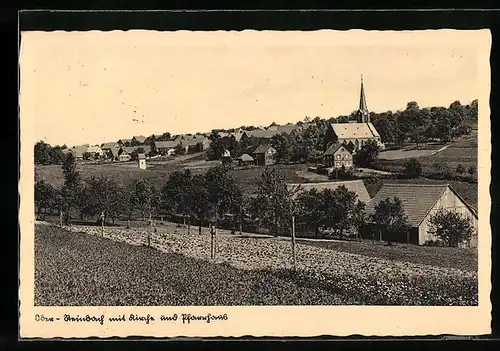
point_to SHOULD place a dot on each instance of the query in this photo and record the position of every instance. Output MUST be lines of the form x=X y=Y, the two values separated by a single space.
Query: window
x=338 y=157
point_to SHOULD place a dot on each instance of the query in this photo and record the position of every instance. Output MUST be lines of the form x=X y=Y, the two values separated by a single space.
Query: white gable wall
x=448 y=201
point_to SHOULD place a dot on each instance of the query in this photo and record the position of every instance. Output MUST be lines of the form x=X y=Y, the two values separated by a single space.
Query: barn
x=420 y=201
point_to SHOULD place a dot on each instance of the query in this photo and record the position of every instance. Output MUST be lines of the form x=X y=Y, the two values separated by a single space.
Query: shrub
x=413 y=168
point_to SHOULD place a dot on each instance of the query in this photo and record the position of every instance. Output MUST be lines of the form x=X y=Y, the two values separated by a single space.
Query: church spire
x=363 y=114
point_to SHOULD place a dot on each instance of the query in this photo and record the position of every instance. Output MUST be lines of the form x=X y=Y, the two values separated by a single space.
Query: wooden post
x=293 y=244
x=211 y=241
x=128 y=223
x=102 y=223
x=215 y=240
x=373 y=233
x=61 y=219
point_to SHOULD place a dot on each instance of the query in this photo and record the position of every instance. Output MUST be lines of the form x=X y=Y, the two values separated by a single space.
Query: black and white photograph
x=255 y=169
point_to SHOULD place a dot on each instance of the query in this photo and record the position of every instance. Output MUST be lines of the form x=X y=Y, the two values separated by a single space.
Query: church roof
x=354 y=130
x=362 y=99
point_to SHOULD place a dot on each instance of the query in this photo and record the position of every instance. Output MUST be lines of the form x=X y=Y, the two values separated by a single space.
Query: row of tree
x=214 y=197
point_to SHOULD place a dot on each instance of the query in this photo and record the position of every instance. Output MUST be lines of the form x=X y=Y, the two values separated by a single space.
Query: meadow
x=79 y=267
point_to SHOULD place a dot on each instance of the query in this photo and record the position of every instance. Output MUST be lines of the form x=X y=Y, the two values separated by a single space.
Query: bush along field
x=78 y=267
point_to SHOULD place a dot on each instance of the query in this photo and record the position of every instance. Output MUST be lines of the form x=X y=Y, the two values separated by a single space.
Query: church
x=354 y=134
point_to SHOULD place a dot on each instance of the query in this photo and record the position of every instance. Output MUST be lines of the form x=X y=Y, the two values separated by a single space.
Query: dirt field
x=356 y=278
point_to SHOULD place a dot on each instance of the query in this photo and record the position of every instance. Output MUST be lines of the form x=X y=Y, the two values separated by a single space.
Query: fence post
x=61 y=219
x=211 y=241
x=102 y=223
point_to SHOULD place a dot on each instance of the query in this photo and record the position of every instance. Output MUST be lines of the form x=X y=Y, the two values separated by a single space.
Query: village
x=342 y=143
x=398 y=188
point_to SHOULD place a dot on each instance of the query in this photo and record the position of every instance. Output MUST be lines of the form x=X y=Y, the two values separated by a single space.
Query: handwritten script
x=184 y=318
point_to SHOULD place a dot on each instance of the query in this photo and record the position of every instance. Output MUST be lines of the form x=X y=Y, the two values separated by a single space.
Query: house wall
x=142 y=164
x=342 y=157
x=269 y=157
x=448 y=201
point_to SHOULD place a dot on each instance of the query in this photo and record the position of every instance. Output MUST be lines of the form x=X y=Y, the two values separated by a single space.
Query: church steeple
x=363 y=113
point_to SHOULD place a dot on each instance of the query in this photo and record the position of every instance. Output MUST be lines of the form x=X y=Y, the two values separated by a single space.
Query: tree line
x=214 y=199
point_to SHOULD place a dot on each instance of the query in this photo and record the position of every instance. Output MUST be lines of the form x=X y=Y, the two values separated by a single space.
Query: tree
x=472 y=170
x=87 y=156
x=413 y=168
x=108 y=197
x=340 y=206
x=42 y=153
x=199 y=196
x=224 y=196
x=367 y=154
x=273 y=199
x=390 y=215
x=141 y=197
x=451 y=227
x=180 y=150
x=174 y=194
x=441 y=170
x=310 y=210
x=360 y=218
x=45 y=197
x=72 y=188
x=460 y=169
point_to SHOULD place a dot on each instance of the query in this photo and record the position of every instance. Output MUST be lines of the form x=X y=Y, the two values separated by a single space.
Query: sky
x=93 y=87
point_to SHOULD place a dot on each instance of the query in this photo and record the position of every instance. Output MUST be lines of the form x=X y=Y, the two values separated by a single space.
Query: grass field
x=73 y=268
x=463 y=150
x=159 y=171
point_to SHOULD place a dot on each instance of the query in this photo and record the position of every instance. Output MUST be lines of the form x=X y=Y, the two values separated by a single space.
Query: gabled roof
x=140 y=138
x=191 y=142
x=125 y=140
x=354 y=130
x=79 y=150
x=417 y=199
x=94 y=149
x=115 y=151
x=262 y=149
x=259 y=133
x=356 y=186
x=288 y=128
x=108 y=145
x=246 y=158
x=334 y=147
x=170 y=144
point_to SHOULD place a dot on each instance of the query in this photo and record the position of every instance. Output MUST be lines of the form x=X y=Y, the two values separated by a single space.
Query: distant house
x=338 y=156
x=259 y=133
x=245 y=160
x=108 y=146
x=138 y=140
x=141 y=161
x=124 y=142
x=420 y=202
x=113 y=153
x=195 y=144
x=165 y=147
x=124 y=154
x=356 y=186
x=78 y=151
x=95 y=151
x=288 y=128
x=226 y=157
x=264 y=155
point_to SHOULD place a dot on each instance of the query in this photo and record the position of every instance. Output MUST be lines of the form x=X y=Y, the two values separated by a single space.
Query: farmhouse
x=259 y=133
x=354 y=134
x=245 y=160
x=95 y=150
x=108 y=146
x=141 y=161
x=356 y=186
x=420 y=201
x=138 y=140
x=195 y=144
x=124 y=156
x=124 y=142
x=338 y=156
x=264 y=155
x=165 y=147
x=113 y=153
x=78 y=151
